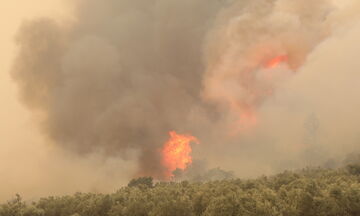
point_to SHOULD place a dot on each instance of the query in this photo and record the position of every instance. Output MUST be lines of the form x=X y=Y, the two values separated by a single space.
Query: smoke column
x=118 y=78
x=124 y=73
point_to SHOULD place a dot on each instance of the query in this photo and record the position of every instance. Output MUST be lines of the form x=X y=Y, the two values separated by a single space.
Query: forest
x=307 y=192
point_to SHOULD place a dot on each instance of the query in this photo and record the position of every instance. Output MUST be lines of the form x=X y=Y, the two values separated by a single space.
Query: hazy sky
x=25 y=155
x=15 y=118
x=17 y=136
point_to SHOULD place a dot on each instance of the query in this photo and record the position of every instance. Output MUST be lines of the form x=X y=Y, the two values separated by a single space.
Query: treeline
x=310 y=192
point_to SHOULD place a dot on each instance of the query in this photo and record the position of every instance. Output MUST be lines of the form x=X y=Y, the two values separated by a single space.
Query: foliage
x=145 y=181
x=309 y=192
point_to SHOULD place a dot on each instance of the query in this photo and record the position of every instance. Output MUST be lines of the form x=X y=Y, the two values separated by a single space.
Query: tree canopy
x=309 y=192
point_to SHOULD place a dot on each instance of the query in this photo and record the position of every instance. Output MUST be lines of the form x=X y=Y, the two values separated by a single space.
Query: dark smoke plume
x=118 y=78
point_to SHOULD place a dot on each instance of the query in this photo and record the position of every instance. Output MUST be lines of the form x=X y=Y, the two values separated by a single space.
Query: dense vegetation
x=308 y=192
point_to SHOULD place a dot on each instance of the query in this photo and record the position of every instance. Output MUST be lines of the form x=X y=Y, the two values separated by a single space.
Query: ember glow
x=248 y=120
x=276 y=61
x=176 y=152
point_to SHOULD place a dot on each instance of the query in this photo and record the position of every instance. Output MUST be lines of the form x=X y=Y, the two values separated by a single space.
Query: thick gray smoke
x=125 y=72
x=118 y=78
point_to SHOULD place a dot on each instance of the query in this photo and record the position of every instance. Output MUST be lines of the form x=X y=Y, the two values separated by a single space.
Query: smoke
x=122 y=74
x=299 y=113
x=246 y=45
x=118 y=78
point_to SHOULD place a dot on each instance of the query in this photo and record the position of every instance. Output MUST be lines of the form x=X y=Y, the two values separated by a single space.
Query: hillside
x=308 y=192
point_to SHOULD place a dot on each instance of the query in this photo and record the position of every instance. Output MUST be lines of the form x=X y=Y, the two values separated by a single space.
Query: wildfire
x=276 y=61
x=176 y=152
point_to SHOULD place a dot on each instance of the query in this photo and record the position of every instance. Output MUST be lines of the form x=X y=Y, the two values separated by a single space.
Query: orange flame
x=276 y=61
x=176 y=152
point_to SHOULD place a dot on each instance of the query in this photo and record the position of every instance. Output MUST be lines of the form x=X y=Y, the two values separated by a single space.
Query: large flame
x=276 y=61
x=176 y=152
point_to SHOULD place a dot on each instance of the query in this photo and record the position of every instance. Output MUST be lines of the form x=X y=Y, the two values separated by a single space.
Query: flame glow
x=276 y=61
x=176 y=152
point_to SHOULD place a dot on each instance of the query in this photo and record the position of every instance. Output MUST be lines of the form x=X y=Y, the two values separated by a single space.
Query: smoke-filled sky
x=91 y=88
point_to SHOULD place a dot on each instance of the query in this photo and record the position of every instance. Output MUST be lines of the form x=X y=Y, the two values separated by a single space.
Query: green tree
x=146 y=181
